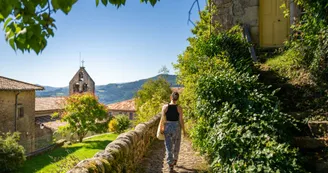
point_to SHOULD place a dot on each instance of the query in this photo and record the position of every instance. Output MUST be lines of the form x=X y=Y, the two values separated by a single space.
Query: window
x=131 y=116
x=20 y=111
x=80 y=76
x=76 y=88
x=85 y=87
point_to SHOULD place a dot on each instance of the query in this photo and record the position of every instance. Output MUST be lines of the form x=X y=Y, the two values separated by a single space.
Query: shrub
x=311 y=38
x=241 y=127
x=230 y=43
x=112 y=125
x=119 y=124
x=12 y=155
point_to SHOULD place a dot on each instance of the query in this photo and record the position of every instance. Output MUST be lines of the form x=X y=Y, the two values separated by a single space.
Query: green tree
x=150 y=98
x=12 y=154
x=83 y=113
x=164 y=70
x=28 y=24
x=119 y=124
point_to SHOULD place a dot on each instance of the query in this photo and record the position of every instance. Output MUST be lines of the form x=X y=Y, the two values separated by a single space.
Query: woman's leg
x=168 y=143
x=176 y=143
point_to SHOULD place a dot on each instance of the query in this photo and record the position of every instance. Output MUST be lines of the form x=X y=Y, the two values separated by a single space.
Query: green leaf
x=104 y=2
x=55 y=4
x=50 y=32
x=12 y=43
x=43 y=3
x=21 y=39
x=18 y=16
x=7 y=22
x=29 y=33
x=97 y=3
x=1 y=17
x=9 y=34
x=153 y=2
x=6 y=10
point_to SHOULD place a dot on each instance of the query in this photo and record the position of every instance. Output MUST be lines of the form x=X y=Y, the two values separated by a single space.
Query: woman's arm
x=181 y=120
x=164 y=110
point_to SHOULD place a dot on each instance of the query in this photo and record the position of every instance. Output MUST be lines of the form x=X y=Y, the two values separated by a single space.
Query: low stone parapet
x=123 y=154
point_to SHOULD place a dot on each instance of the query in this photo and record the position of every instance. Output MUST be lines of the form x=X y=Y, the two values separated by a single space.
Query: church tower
x=81 y=82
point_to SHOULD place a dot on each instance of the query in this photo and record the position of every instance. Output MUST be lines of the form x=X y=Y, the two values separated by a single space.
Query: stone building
x=265 y=18
x=126 y=107
x=45 y=125
x=81 y=82
x=17 y=110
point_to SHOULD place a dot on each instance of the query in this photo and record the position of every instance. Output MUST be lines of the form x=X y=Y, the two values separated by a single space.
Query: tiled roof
x=11 y=84
x=43 y=119
x=49 y=103
x=127 y=105
x=54 y=125
x=177 y=89
x=49 y=122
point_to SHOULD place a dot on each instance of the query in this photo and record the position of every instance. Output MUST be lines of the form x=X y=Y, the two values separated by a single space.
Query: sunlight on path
x=189 y=160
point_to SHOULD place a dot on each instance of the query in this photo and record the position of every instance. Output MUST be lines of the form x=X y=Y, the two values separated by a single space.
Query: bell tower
x=81 y=82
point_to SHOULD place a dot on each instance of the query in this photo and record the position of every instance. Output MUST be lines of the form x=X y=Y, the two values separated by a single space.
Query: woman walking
x=172 y=129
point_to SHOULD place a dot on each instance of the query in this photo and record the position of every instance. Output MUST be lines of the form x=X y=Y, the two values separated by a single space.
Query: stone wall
x=232 y=12
x=124 y=153
x=24 y=124
x=43 y=137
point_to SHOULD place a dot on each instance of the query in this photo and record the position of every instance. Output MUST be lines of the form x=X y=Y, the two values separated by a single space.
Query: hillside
x=110 y=93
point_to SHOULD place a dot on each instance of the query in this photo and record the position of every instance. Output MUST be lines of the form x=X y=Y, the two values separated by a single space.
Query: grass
x=46 y=163
x=289 y=65
x=285 y=63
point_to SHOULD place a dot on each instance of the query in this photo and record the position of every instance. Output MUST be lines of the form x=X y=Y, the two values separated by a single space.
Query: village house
x=266 y=20
x=45 y=125
x=126 y=107
x=21 y=111
x=17 y=110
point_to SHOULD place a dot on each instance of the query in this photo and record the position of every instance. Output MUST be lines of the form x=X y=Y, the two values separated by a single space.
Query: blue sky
x=118 y=45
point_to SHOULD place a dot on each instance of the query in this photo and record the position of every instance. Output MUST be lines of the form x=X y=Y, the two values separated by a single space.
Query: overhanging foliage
x=28 y=24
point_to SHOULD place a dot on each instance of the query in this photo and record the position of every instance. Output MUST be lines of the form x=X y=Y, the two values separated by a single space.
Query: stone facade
x=126 y=107
x=124 y=153
x=81 y=82
x=43 y=137
x=232 y=12
x=24 y=121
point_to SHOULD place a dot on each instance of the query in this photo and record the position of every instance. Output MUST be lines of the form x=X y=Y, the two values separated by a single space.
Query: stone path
x=189 y=160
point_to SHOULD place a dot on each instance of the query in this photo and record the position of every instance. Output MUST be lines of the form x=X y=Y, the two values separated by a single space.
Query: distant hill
x=109 y=93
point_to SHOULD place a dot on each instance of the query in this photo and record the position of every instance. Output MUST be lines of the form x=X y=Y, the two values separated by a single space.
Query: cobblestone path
x=189 y=160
